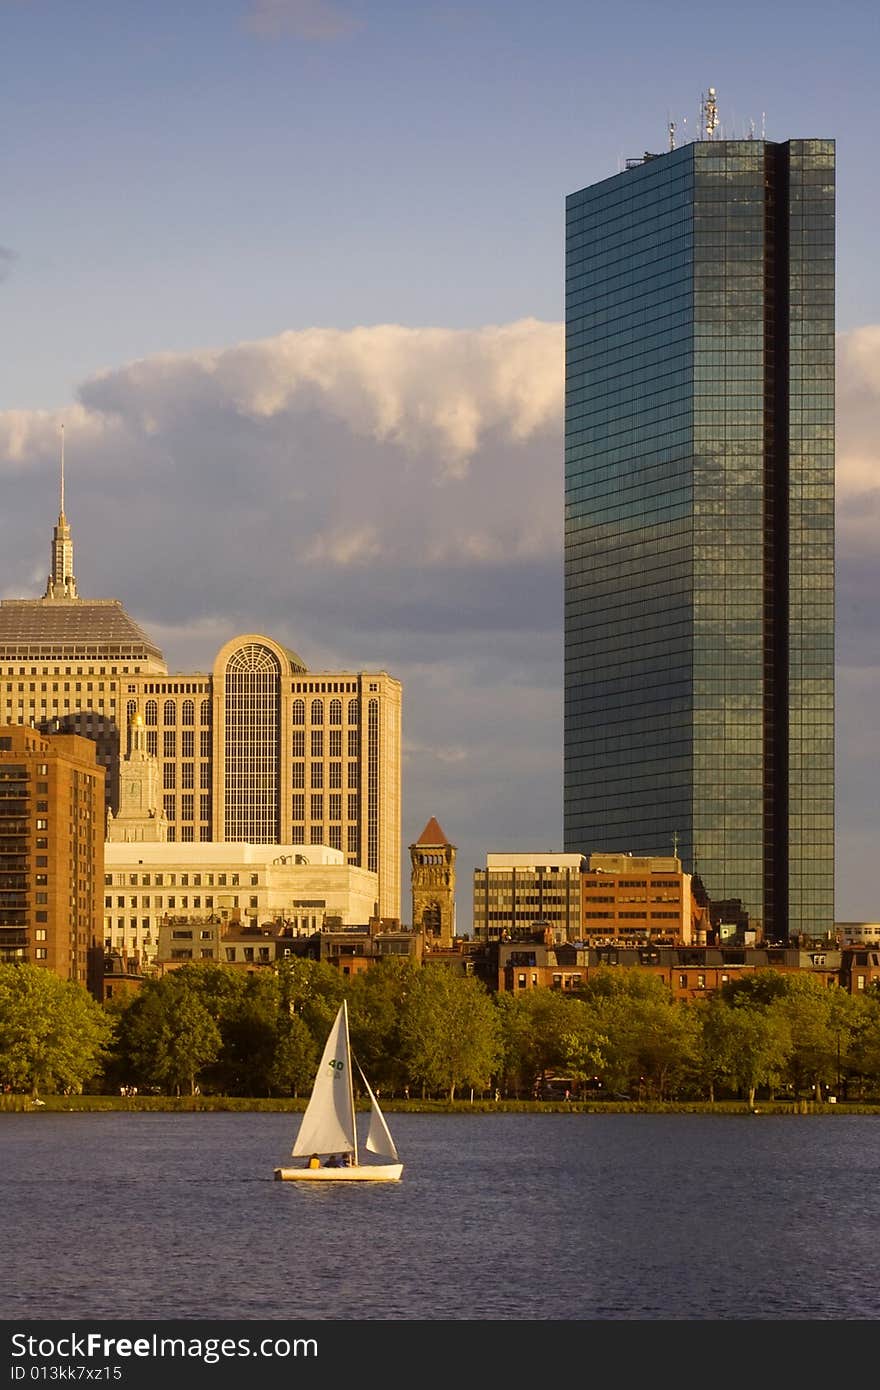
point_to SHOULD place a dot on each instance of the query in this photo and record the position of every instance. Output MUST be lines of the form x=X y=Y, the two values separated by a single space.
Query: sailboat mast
x=350 y=1086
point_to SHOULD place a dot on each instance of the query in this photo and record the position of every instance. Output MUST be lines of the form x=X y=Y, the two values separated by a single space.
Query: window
x=169 y=743
x=335 y=712
x=317 y=774
x=317 y=712
x=169 y=713
x=317 y=743
x=188 y=712
x=299 y=712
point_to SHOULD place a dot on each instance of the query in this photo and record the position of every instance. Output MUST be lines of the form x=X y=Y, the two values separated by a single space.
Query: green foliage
x=376 y=1003
x=260 y=1034
x=449 y=1031
x=53 y=1035
x=546 y=1032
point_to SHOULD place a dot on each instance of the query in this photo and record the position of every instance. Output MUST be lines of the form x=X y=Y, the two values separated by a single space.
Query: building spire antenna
x=61 y=583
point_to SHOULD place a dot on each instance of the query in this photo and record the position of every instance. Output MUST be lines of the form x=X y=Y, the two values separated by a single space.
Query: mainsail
x=328 y=1125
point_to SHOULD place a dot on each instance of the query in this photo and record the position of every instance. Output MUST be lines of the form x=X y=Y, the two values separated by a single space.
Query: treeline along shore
x=212 y=1037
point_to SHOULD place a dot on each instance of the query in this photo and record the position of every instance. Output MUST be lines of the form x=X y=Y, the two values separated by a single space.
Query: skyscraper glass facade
x=699 y=547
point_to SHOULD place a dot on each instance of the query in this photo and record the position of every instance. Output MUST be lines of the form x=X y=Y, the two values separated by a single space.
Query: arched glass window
x=151 y=712
x=188 y=712
x=352 y=711
x=299 y=712
x=169 y=714
x=252 y=739
x=206 y=711
x=335 y=711
x=317 y=712
x=130 y=711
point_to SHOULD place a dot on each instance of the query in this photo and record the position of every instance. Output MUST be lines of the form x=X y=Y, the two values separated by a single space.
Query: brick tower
x=433 y=885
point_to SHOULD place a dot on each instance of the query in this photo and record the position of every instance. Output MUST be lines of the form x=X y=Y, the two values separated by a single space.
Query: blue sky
x=189 y=179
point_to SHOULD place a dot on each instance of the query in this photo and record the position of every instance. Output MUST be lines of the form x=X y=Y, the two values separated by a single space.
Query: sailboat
x=328 y=1128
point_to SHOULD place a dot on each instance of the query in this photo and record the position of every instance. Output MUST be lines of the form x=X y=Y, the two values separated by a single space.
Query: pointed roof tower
x=432 y=834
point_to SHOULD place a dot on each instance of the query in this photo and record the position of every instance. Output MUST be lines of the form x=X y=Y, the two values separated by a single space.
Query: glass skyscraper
x=699 y=534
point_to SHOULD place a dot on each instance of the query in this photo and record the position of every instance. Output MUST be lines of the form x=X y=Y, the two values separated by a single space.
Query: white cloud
x=427 y=390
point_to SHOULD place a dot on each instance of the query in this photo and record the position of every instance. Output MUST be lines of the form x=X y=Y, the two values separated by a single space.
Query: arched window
x=299 y=712
x=252 y=744
x=130 y=711
x=151 y=712
x=317 y=712
x=169 y=714
x=352 y=711
x=188 y=713
x=335 y=711
x=206 y=711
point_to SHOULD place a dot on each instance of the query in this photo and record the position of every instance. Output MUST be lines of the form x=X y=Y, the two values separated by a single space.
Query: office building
x=640 y=899
x=259 y=749
x=51 y=854
x=518 y=893
x=699 y=532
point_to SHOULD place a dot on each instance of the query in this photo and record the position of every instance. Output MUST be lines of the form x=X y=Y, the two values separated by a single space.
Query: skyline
x=292 y=277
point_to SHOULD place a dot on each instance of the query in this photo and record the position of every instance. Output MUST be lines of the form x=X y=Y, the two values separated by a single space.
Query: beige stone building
x=224 y=882
x=259 y=749
x=51 y=854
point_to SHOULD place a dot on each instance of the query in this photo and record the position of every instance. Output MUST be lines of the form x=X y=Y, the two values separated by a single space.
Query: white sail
x=379 y=1139
x=328 y=1123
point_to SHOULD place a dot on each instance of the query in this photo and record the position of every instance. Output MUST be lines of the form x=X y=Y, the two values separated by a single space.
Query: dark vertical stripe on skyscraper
x=776 y=539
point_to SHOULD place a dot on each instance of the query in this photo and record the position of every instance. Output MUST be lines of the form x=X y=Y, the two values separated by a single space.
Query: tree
x=376 y=1002
x=545 y=1031
x=744 y=1047
x=652 y=1039
x=449 y=1031
x=53 y=1034
x=167 y=1036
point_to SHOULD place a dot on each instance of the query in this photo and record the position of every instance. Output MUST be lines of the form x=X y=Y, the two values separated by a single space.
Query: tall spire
x=61 y=583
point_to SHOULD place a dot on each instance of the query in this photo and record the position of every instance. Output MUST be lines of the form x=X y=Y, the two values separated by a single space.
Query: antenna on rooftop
x=709 y=114
x=62 y=470
x=672 y=135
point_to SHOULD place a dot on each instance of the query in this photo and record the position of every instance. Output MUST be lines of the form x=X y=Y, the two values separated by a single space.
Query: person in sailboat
x=334 y=1161
x=314 y=1161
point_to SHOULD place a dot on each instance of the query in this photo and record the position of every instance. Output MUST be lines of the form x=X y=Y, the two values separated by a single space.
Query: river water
x=538 y=1217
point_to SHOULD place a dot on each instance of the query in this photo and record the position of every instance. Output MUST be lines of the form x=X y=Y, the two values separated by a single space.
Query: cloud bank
x=392 y=497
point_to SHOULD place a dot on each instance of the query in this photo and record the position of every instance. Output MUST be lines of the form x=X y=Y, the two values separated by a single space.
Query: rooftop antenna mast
x=709 y=114
x=672 y=135
x=62 y=470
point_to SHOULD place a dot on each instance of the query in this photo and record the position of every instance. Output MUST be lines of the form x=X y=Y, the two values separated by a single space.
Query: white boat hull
x=366 y=1172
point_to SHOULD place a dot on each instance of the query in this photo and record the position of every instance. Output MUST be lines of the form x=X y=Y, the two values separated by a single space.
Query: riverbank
x=84 y=1104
